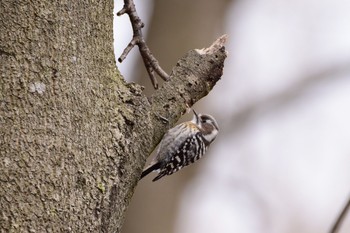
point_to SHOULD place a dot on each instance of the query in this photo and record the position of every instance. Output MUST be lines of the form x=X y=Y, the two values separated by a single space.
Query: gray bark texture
x=74 y=136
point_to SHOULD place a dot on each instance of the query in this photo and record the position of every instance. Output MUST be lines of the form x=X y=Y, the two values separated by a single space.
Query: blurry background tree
x=281 y=161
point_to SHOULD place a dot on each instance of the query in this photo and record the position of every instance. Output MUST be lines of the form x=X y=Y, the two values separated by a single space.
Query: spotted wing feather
x=188 y=152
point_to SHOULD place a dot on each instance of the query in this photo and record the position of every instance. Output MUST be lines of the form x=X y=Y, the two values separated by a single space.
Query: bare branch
x=219 y=43
x=243 y=116
x=191 y=79
x=127 y=50
x=149 y=60
x=340 y=218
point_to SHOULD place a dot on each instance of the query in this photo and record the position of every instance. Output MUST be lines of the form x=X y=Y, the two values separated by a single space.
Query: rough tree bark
x=73 y=135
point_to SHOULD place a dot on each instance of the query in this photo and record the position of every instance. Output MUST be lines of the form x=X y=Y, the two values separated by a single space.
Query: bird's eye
x=206 y=120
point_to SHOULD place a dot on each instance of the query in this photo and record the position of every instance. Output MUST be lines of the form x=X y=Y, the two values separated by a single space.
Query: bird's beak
x=196 y=115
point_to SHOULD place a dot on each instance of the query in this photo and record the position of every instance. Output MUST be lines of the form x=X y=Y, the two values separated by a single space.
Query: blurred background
x=281 y=162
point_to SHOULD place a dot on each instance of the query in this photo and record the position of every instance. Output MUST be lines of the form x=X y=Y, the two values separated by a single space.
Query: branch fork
x=151 y=63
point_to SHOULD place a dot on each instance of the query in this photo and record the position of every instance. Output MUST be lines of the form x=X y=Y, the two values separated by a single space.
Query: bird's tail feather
x=150 y=169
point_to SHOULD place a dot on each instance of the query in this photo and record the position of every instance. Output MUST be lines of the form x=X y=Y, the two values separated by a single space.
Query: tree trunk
x=73 y=135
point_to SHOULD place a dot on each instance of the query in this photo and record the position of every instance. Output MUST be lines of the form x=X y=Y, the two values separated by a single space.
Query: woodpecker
x=182 y=145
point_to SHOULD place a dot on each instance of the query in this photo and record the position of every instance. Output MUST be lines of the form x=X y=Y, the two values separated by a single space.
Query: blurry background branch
x=341 y=217
x=242 y=117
